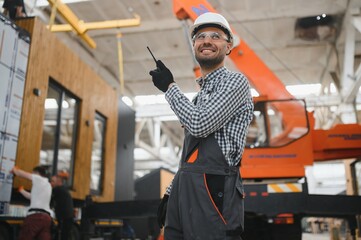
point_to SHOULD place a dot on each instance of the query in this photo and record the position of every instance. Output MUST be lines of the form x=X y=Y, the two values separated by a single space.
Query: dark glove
x=161 y=76
x=162 y=210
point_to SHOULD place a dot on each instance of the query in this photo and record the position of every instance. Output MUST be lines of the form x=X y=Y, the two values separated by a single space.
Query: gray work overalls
x=206 y=200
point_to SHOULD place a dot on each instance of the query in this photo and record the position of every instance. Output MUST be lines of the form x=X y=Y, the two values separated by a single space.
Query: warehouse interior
x=312 y=47
x=303 y=43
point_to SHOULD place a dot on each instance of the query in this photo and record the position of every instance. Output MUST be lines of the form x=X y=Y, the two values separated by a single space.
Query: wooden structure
x=49 y=58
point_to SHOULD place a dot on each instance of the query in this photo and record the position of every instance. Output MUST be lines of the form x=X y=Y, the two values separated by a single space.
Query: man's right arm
x=21 y=173
x=25 y=193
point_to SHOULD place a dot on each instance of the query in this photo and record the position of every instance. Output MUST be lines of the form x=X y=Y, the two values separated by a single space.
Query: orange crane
x=297 y=140
x=287 y=145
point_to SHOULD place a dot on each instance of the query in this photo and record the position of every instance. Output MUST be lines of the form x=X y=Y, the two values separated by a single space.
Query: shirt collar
x=211 y=75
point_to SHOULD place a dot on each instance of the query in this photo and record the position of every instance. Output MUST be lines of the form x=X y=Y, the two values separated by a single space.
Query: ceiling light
x=127 y=101
x=44 y=3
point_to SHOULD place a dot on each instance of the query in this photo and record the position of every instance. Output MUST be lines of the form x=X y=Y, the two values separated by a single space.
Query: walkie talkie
x=155 y=60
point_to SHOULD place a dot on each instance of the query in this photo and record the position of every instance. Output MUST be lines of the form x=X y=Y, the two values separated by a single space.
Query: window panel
x=276 y=123
x=59 y=130
x=97 y=160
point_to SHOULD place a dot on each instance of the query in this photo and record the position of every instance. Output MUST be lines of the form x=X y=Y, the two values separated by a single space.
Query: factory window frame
x=98 y=155
x=60 y=131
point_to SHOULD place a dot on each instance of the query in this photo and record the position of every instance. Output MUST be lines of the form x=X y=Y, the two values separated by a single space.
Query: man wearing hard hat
x=205 y=199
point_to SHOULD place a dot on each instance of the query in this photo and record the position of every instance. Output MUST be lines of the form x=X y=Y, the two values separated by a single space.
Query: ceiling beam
x=73 y=20
x=81 y=28
x=357 y=22
x=351 y=93
x=145 y=27
x=122 y=23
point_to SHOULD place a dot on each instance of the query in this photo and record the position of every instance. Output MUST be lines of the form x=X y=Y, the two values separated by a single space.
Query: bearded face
x=209 y=60
x=210 y=48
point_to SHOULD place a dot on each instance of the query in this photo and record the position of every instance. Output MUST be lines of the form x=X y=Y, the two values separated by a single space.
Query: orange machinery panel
x=278 y=162
x=340 y=142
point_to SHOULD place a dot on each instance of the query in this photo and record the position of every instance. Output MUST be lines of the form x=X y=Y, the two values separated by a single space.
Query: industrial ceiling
x=297 y=49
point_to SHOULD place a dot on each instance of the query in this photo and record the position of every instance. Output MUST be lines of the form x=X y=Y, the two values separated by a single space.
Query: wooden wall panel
x=50 y=58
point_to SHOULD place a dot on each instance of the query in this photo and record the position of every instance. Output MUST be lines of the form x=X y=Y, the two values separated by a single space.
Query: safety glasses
x=214 y=36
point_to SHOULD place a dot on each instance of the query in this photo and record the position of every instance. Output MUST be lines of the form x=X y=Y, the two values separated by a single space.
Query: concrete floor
x=320 y=236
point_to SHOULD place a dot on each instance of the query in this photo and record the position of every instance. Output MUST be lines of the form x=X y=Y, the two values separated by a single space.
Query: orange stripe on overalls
x=192 y=158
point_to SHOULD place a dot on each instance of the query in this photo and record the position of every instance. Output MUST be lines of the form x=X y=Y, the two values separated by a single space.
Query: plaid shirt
x=223 y=106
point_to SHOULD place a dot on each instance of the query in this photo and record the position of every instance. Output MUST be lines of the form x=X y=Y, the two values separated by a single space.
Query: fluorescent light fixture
x=127 y=101
x=304 y=89
x=299 y=91
x=150 y=99
x=44 y=3
x=159 y=99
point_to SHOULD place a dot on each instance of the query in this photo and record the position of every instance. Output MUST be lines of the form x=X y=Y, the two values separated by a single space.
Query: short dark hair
x=42 y=170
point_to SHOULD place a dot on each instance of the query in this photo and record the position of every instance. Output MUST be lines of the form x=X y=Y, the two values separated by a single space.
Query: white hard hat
x=211 y=19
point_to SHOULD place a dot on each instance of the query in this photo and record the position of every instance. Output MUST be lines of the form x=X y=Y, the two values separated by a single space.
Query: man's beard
x=209 y=63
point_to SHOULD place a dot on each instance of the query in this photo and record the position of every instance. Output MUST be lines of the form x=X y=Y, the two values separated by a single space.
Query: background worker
x=205 y=199
x=14 y=9
x=63 y=205
x=37 y=224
